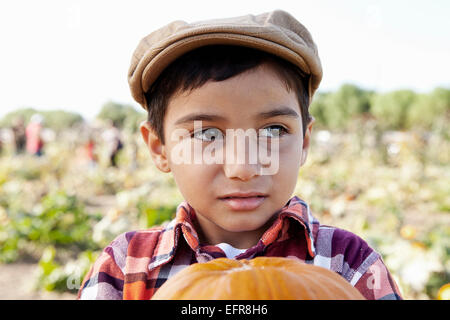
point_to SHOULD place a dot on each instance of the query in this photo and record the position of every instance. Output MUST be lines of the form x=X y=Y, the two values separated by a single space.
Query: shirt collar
x=294 y=210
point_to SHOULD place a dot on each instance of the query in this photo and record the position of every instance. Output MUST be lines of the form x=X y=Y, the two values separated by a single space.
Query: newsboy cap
x=276 y=32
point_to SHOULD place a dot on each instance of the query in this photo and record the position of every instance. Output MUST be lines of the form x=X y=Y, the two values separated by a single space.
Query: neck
x=210 y=233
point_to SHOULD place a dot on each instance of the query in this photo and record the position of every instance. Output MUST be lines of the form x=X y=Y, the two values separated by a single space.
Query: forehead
x=249 y=93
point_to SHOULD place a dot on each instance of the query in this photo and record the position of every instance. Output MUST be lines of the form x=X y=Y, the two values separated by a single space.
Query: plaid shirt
x=137 y=263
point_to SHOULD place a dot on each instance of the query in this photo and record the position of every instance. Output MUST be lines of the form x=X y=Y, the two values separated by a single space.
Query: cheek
x=289 y=168
x=290 y=152
x=289 y=162
x=193 y=180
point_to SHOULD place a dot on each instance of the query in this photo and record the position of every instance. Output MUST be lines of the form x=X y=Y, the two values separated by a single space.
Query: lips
x=243 y=195
x=243 y=201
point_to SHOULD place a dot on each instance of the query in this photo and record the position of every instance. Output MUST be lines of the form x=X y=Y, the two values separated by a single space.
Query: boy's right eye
x=209 y=134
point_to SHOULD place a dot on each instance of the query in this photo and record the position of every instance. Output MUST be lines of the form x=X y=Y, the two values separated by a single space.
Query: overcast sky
x=74 y=55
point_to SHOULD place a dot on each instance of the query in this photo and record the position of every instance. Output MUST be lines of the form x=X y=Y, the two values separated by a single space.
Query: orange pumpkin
x=262 y=278
x=444 y=292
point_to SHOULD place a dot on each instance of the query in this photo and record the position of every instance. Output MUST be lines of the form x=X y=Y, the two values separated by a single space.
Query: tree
x=318 y=108
x=429 y=109
x=24 y=113
x=123 y=116
x=59 y=119
x=335 y=109
x=53 y=119
x=391 y=109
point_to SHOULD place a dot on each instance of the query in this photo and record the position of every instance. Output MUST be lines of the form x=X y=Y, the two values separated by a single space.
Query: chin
x=243 y=226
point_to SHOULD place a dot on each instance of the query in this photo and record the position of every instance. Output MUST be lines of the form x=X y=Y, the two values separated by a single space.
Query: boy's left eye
x=274 y=131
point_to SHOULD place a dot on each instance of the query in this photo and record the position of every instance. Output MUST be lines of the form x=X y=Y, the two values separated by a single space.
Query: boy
x=203 y=84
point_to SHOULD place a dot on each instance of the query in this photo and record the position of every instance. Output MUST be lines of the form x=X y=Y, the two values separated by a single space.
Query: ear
x=307 y=141
x=155 y=146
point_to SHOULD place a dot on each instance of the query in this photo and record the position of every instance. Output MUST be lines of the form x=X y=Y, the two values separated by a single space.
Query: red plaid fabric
x=137 y=263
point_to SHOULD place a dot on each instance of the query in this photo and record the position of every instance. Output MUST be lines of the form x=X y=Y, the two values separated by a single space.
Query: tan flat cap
x=275 y=32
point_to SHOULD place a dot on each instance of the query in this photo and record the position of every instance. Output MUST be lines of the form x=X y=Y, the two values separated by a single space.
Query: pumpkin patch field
x=59 y=210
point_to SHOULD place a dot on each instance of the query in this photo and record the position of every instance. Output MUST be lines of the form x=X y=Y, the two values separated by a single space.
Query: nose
x=241 y=161
x=243 y=171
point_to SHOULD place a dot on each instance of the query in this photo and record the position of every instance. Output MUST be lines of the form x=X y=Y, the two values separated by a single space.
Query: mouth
x=243 y=202
x=242 y=197
x=252 y=194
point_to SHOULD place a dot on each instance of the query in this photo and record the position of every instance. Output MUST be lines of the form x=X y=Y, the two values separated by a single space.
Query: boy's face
x=236 y=103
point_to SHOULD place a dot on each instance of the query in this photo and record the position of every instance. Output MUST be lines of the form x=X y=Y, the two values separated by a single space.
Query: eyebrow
x=282 y=111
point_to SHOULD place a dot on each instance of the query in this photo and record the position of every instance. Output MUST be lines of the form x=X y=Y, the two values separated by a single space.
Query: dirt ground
x=16 y=282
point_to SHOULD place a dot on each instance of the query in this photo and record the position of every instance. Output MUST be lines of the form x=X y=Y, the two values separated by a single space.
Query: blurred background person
x=90 y=152
x=18 y=130
x=114 y=143
x=34 y=141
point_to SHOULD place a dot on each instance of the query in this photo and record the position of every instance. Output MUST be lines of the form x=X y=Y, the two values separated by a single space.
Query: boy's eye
x=274 y=131
x=209 y=134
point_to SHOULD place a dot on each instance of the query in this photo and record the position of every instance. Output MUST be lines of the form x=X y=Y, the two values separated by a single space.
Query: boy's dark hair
x=218 y=63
